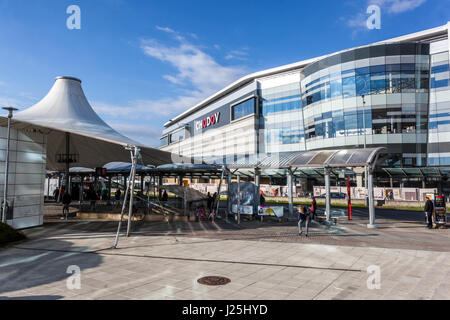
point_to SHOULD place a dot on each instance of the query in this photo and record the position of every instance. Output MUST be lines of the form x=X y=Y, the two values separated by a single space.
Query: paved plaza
x=268 y=260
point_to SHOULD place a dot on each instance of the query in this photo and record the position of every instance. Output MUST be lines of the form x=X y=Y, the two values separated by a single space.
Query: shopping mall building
x=393 y=94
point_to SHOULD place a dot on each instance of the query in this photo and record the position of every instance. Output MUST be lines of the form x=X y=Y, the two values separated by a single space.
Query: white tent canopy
x=93 y=143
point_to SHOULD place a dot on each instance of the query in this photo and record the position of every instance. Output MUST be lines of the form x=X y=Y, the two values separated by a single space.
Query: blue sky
x=143 y=62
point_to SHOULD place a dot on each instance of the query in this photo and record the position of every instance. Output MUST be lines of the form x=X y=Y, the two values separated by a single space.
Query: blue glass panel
x=348 y=87
x=441 y=68
x=243 y=109
x=362 y=84
x=363 y=70
x=380 y=68
x=336 y=88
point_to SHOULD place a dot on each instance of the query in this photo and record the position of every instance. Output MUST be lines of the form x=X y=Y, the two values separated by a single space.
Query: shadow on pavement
x=27 y=268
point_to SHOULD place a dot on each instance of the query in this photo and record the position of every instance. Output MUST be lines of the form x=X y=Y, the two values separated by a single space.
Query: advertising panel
x=273 y=211
x=242 y=209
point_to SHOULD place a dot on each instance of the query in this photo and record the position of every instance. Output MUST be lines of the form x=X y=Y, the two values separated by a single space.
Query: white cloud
x=165 y=29
x=358 y=21
x=198 y=76
x=195 y=67
x=237 y=54
x=397 y=6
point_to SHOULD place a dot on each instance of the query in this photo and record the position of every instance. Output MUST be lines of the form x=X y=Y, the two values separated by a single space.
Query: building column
x=327 y=190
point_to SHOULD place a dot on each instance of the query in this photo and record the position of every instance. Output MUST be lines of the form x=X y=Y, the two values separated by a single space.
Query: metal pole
x=371 y=224
x=291 y=199
x=239 y=198
x=364 y=120
x=116 y=241
x=133 y=169
x=5 y=190
x=327 y=189
x=48 y=188
x=66 y=178
x=218 y=193
x=228 y=196
x=258 y=185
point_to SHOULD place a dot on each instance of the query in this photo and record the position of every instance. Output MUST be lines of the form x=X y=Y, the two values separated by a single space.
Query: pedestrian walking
x=313 y=208
x=209 y=202
x=165 y=196
x=429 y=212
x=303 y=218
x=66 y=200
x=262 y=200
x=56 y=194
x=92 y=195
x=117 y=196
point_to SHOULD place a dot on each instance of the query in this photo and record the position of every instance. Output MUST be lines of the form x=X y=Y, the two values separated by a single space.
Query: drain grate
x=214 y=281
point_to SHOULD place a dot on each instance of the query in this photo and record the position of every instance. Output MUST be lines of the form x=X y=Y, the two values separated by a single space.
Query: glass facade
x=374 y=96
x=281 y=116
x=243 y=109
x=391 y=95
x=439 y=125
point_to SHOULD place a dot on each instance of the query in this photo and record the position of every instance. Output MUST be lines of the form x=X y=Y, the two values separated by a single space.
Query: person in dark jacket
x=66 y=200
x=56 y=194
x=313 y=208
x=429 y=212
x=262 y=200
x=117 y=196
x=303 y=217
x=209 y=202
x=165 y=196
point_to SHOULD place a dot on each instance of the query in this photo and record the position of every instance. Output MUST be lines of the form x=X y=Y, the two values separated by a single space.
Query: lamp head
x=10 y=111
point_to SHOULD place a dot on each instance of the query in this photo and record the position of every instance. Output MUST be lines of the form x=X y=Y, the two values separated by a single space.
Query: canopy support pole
x=258 y=188
x=238 y=199
x=66 y=178
x=327 y=190
x=127 y=188
x=290 y=196
x=228 y=196
x=135 y=153
x=218 y=192
x=371 y=224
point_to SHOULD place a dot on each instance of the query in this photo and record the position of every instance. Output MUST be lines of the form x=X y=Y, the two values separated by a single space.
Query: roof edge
x=416 y=36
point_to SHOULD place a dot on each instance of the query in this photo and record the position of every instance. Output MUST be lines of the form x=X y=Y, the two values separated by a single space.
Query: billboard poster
x=273 y=211
x=242 y=209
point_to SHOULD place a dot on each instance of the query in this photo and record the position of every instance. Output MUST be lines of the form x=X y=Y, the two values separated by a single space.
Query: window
x=164 y=141
x=348 y=87
x=336 y=88
x=177 y=136
x=362 y=84
x=243 y=109
x=378 y=83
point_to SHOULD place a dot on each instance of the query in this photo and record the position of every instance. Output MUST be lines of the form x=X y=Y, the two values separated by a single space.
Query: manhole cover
x=213 y=281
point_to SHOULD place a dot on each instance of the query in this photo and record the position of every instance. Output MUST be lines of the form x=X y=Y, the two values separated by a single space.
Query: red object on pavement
x=349 y=200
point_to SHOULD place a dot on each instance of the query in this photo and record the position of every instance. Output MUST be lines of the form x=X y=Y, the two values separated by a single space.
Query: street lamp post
x=5 y=190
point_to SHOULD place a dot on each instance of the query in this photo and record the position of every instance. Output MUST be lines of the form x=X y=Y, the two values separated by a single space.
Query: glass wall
x=374 y=96
x=439 y=125
x=282 y=119
x=243 y=109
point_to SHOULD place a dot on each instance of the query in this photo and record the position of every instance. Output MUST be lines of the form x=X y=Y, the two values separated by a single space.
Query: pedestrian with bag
x=429 y=207
x=303 y=218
